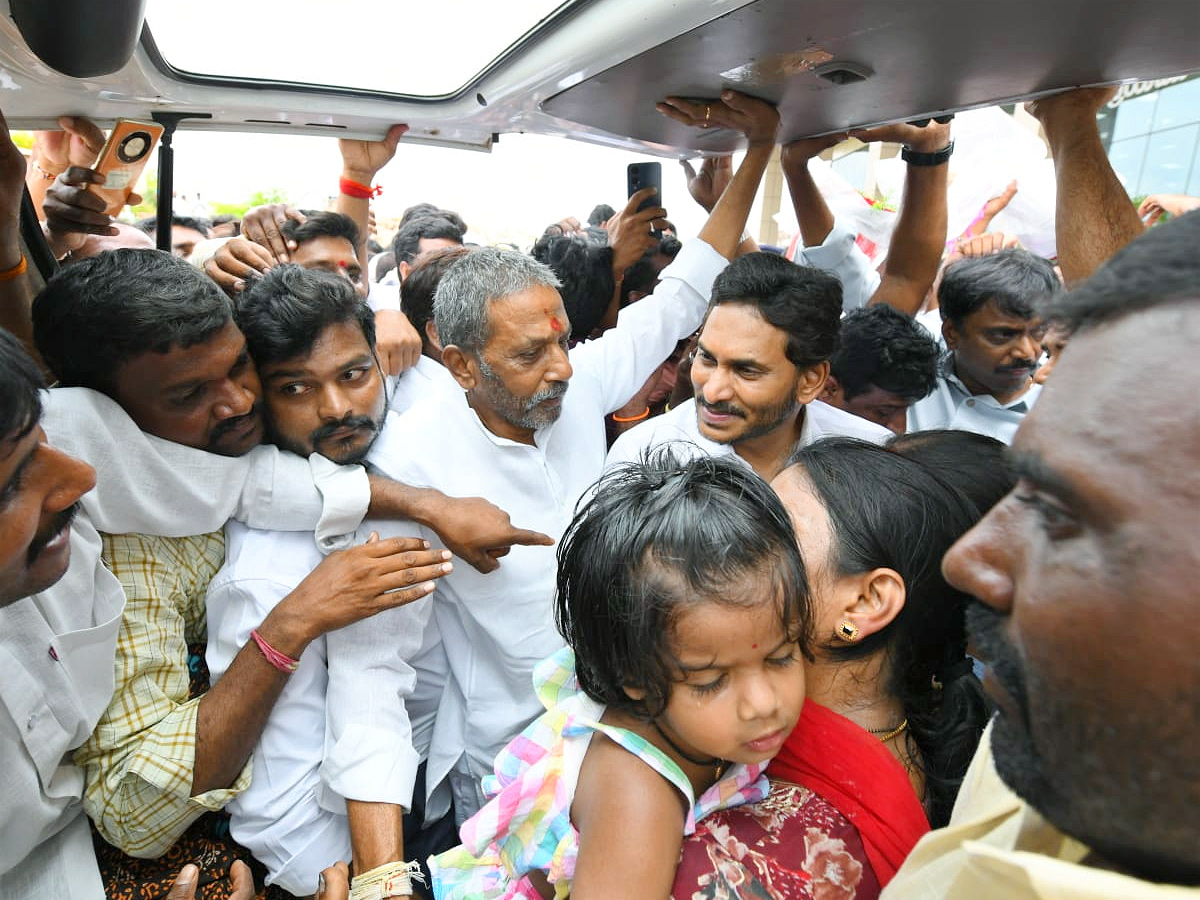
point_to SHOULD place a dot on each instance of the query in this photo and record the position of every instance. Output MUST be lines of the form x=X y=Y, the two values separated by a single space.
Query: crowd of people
x=637 y=565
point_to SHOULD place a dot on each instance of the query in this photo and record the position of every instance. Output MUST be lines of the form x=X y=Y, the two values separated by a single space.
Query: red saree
x=840 y=819
x=849 y=767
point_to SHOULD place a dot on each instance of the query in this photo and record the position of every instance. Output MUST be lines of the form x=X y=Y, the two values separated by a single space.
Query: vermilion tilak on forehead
x=555 y=324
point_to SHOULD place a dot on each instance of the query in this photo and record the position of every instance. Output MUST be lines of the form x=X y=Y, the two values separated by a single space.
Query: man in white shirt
x=313 y=339
x=760 y=363
x=172 y=355
x=60 y=621
x=993 y=340
x=528 y=430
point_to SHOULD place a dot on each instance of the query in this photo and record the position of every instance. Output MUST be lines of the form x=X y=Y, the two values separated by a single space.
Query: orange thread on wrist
x=16 y=271
x=644 y=414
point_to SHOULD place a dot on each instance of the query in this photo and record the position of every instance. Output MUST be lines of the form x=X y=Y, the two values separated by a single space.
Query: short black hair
x=149 y=224
x=600 y=214
x=417 y=290
x=424 y=209
x=658 y=536
x=283 y=313
x=585 y=270
x=1016 y=280
x=805 y=303
x=1159 y=267
x=407 y=242
x=881 y=347
x=20 y=390
x=319 y=225
x=976 y=464
x=99 y=313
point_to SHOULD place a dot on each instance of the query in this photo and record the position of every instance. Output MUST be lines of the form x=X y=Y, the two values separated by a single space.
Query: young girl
x=683 y=600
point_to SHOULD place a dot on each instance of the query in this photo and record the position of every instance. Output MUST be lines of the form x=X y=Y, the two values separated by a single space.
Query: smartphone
x=644 y=175
x=122 y=159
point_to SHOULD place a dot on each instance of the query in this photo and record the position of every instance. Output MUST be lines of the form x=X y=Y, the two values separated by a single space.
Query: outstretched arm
x=1093 y=215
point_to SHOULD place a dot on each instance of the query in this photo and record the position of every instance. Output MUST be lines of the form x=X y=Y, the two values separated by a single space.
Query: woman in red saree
x=894 y=711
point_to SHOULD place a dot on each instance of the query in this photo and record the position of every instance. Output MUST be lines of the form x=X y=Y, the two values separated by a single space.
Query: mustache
x=722 y=409
x=553 y=392
x=985 y=632
x=228 y=425
x=60 y=523
x=324 y=432
x=1021 y=365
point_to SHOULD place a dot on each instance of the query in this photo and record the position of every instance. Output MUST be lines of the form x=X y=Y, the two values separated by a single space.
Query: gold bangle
x=645 y=413
x=16 y=271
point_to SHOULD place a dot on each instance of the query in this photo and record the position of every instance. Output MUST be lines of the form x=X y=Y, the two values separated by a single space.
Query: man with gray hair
x=528 y=431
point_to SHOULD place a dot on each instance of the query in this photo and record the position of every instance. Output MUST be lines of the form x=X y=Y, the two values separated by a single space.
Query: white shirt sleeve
x=648 y=330
x=148 y=485
x=840 y=256
x=369 y=753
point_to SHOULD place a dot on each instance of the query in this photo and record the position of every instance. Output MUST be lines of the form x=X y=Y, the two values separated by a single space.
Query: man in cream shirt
x=1087 y=782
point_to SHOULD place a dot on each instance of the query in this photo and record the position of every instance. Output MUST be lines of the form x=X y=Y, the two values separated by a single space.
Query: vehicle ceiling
x=587 y=69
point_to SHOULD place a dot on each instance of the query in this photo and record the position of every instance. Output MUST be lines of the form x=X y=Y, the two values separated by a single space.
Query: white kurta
x=496 y=627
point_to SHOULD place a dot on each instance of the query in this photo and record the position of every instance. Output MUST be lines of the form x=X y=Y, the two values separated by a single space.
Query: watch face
x=133 y=147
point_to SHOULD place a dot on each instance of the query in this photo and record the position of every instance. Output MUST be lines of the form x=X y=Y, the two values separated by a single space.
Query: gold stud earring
x=847 y=631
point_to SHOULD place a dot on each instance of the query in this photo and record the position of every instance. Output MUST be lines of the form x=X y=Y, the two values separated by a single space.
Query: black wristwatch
x=913 y=158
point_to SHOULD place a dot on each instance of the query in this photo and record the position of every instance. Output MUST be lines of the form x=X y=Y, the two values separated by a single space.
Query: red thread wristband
x=280 y=661
x=360 y=191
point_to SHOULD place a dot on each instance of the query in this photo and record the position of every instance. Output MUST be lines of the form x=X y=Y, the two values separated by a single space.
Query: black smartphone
x=644 y=175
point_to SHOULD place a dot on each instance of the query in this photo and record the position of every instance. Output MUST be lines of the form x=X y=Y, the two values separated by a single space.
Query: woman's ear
x=879 y=598
x=633 y=693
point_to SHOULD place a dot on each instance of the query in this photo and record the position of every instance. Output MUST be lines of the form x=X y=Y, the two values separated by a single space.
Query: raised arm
x=361 y=162
x=1093 y=215
x=707 y=186
x=16 y=294
x=759 y=122
x=920 y=236
x=77 y=142
x=813 y=214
